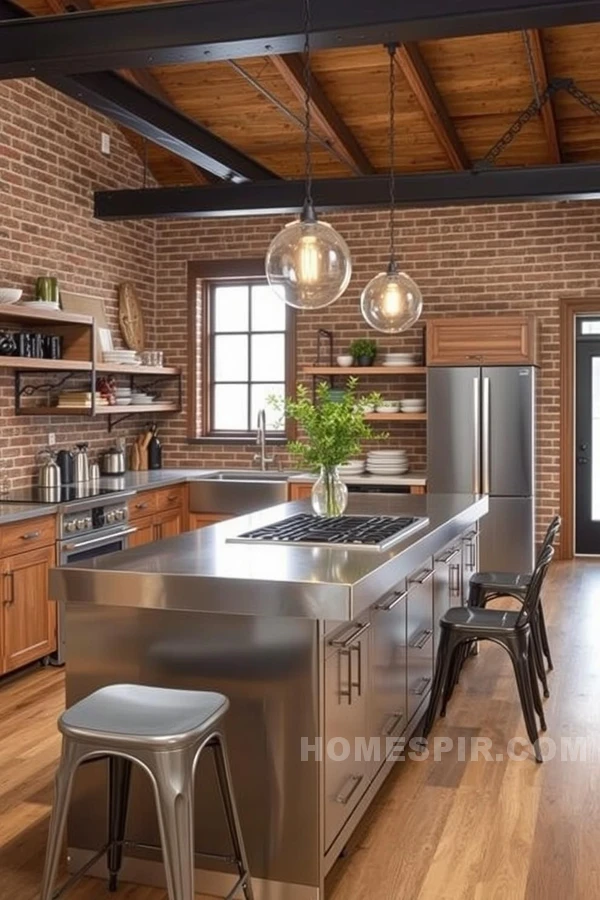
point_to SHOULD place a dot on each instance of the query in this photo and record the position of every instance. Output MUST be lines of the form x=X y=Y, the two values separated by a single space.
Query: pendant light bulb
x=391 y=302
x=308 y=263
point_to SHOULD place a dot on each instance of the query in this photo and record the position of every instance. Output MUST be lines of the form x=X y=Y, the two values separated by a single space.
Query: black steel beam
x=504 y=185
x=205 y=30
x=153 y=119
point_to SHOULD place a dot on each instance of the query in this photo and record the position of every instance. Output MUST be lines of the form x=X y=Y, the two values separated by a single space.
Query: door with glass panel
x=587 y=437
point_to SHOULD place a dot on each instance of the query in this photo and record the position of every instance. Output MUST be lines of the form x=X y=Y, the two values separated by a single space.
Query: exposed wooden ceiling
x=455 y=98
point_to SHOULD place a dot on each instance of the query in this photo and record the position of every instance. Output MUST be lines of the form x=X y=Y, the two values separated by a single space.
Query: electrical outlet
x=105 y=143
x=51 y=439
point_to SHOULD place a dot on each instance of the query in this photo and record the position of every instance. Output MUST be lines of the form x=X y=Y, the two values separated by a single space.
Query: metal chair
x=486 y=586
x=461 y=626
x=164 y=732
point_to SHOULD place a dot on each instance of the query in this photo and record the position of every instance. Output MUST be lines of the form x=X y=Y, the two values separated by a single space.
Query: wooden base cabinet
x=157 y=515
x=201 y=520
x=28 y=621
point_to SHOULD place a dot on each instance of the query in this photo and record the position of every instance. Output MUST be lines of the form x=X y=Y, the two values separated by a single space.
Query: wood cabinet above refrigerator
x=482 y=340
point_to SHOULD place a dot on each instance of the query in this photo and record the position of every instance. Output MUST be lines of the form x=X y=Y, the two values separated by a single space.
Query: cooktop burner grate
x=370 y=532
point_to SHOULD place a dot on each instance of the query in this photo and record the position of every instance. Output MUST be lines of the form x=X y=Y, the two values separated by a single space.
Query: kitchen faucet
x=261 y=438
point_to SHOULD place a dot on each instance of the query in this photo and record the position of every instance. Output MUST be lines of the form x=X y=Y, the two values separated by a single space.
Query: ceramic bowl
x=345 y=361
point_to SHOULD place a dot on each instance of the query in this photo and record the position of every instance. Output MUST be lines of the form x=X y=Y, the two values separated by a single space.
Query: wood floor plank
x=453 y=829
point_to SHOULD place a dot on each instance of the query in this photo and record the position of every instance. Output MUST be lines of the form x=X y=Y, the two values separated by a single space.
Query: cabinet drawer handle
x=353 y=637
x=10 y=575
x=141 y=505
x=352 y=783
x=449 y=556
x=423 y=685
x=455 y=582
x=396 y=599
x=30 y=535
x=473 y=356
x=172 y=498
x=422 y=578
x=392 y=723
x=419 y=642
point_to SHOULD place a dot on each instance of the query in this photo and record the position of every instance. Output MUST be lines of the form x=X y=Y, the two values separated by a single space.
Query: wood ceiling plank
x=323 y=112
x=540 y=73
x=409 y=60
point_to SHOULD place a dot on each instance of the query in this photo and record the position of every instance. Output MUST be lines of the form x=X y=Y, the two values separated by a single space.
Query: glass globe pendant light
x=391 y=301
x=308 y=263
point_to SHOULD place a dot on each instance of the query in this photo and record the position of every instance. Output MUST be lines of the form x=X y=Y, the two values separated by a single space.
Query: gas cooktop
x=68 y=493
x=362 y=532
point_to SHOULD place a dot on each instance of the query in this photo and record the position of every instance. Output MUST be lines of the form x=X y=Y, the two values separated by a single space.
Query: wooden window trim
x=199 y=369
x=570 y=308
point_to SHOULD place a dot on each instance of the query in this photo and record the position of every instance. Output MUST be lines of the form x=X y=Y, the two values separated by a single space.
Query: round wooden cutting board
x=131 y=318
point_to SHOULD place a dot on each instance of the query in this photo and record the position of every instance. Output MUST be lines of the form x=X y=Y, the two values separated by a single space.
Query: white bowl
x=123 y=401
x=10 y=295
x=345 y=361
x=369 y=408
x=388 y=408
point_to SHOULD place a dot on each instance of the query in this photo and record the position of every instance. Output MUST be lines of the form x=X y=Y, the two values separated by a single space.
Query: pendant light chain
x=308 y=202
x=392 y=152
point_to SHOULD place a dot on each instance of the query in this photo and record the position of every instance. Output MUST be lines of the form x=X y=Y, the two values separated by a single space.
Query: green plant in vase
x=334 y=430
x=363 y=351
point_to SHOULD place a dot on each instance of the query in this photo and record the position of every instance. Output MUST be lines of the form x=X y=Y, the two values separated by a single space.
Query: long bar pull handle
x=396 y=599
x=476 y=430
x=349 y=789
x=392 y=723
x=30 y=535
x=423 y=685
x=345 y=693
x=448 y=557
x=79 y=545
x=357 y=684
x=353 y=637
x=455 y=584
x=10 y=576
x=422 y=577
x=485 y=437
x=419 y=642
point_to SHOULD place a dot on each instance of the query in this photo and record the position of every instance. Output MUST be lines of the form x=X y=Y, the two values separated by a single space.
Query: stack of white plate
x=353 y=467
x=387 y=462
x=400 y=359
x=121 y=357
x=123 y=396
x=140 y=399
x=413 y=405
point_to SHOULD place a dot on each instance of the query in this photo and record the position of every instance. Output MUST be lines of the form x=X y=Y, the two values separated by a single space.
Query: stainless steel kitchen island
x=320 y=650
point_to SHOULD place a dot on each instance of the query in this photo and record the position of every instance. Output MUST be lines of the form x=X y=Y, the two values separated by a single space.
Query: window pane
x=268 y=357
x=231 y=358
x=230 y=308
x=268 y=312
x=230 y=407
x=260 y=392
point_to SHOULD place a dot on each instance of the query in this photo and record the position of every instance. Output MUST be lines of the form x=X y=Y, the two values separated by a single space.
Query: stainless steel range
x=362 y=532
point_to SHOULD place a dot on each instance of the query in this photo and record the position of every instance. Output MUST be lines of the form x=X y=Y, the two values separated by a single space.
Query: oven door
x=78 y=550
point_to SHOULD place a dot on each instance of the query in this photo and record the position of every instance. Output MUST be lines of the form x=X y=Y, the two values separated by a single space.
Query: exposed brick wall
x=469 y=260
x=50 y=164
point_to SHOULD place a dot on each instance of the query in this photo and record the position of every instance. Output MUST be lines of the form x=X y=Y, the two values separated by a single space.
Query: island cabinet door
x=446 y=586
x=387 y=699
x=346 y=724
x=469 y=560
x=419 y=637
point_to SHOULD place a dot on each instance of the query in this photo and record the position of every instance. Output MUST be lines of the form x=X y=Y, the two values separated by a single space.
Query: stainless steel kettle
x=48 y=471
x=81 y=463
x=113 y=462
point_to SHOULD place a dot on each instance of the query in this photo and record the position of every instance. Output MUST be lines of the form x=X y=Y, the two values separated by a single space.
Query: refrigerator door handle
x=476 y=447
x=485 y=437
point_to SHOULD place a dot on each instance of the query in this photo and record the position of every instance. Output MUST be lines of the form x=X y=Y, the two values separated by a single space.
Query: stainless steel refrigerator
x=481 y=439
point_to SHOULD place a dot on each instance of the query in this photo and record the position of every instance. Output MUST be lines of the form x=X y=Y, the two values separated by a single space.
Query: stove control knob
x=119 y=514
x=71 y=526
x=80 y=524
x=88 y=522
x=110 y=517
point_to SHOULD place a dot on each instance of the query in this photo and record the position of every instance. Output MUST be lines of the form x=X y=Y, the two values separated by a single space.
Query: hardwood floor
x=447 y=830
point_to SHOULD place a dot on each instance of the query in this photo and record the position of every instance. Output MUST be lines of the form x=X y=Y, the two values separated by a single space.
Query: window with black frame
x=248 y=345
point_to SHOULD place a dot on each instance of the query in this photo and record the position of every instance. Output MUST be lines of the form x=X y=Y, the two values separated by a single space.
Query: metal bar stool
x=164 y=731
x=461 y=625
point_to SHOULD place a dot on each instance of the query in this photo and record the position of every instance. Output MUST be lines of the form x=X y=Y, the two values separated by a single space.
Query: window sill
x=237 y=441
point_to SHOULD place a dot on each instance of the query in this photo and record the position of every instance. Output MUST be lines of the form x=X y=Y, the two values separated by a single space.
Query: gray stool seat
x=497 y=581
x=164 y=732
x=140 y=715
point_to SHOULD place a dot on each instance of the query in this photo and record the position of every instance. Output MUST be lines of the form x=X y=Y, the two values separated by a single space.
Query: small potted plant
x=363 y=351
x=334 y=429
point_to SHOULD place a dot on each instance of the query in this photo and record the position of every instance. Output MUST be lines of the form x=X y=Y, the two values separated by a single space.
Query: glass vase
x=329 y=494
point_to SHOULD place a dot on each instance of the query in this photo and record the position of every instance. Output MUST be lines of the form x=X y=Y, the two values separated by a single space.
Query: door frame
x=570 y=308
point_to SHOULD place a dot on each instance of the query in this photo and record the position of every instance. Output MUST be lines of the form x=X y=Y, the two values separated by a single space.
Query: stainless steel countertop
x=200 y=571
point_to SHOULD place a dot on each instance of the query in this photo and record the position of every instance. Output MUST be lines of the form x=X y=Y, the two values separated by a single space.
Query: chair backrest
x=532 y=597
x=550 y=536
